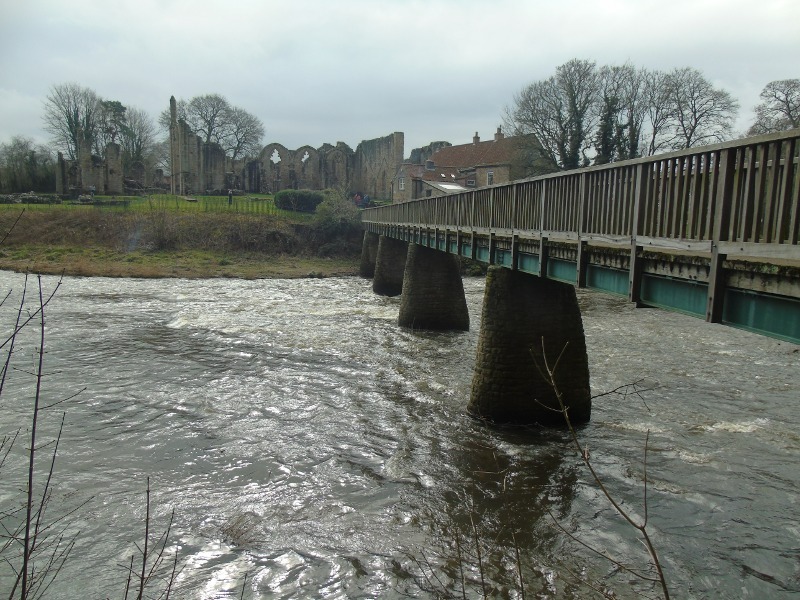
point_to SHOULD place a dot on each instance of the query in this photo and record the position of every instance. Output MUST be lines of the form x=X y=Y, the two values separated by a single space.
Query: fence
x=742 y=197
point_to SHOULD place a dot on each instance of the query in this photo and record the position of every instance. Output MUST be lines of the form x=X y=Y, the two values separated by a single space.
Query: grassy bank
x=159 y=241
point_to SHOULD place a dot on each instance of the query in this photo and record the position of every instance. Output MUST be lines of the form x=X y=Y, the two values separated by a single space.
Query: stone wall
x=420 y=155
x=369 y=169
x=278 y=168
x=375 y=164
x=199 y=167
x=113 y=170
x=186 y=156
x=213 y=168
x=90 y=173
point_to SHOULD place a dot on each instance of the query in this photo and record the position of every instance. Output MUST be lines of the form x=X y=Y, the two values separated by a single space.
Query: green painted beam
x=562 y=270
x=770 y=315
x=682 y=295
x=614 y=281
x=529 y=263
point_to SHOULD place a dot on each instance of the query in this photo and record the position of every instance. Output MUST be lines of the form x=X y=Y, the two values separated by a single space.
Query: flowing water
x=310 y=448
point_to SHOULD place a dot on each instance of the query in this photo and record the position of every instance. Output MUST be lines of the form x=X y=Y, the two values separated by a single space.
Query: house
x=464 y=166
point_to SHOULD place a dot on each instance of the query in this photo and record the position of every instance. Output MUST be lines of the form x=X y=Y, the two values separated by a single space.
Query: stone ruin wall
x=90 y=173
x=278 y=168
x=199 y=167
x=369 y=169
x=375 y=164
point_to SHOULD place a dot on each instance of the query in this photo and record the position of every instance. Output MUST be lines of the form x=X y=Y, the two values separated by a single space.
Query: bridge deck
x=711 y=231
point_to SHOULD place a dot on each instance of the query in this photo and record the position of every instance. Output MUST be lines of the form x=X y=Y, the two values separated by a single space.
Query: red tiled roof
x=441 y=174
x=499 y=152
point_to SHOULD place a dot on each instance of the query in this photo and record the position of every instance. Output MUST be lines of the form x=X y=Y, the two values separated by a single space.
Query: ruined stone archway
x=275 y=164
x=336 y=172
x=307 y=168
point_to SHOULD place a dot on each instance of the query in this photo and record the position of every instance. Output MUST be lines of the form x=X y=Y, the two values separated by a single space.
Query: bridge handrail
x=745 y=191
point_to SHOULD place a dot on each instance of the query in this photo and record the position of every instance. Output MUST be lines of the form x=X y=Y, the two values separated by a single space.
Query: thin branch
x=519 y=566
x=34 y=314
x=10 y=229
x=478 y=551
x=32 y=452
x=244 y=586
x=611 y=559
x=548 y=373
x=146 y=538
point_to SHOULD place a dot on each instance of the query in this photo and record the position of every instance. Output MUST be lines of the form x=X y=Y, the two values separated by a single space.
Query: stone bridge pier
x=528 y=324
x=390 y=264
x=369 y=254
x=433 y=292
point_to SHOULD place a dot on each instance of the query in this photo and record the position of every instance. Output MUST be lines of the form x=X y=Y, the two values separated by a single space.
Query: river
x=310 y=448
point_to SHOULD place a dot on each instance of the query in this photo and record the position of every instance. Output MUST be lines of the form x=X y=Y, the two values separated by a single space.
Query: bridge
x=710 y=231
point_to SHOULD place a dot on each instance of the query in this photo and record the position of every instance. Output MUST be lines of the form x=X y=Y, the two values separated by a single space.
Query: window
x=490 y=178
x=402 y=184
x=470 y=183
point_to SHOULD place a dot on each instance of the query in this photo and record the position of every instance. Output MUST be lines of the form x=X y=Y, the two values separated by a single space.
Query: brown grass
x=168 y=244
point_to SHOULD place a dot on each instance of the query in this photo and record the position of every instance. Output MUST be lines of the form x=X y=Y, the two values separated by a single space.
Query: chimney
x=476 y=139
x=499 y=135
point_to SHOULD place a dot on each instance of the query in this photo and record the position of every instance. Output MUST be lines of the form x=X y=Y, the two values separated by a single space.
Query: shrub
x=298 y=200
x=337 y=215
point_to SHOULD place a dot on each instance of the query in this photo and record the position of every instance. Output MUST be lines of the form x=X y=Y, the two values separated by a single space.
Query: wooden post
x=635 y=263
x=514 y=252
x=716 y=286
x=543 y=255
x=722 y=211
x=582 y=263
x=473 y=246
x=582 y=255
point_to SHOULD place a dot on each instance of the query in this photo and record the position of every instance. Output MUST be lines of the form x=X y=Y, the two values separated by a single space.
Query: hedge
x=298 y=200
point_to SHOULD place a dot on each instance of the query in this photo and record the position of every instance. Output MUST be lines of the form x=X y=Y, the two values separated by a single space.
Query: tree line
x=76 y=117
x=582 y=114
x=587 y=114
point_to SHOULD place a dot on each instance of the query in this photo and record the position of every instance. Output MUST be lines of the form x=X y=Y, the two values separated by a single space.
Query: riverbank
x=188 y=264
x=166 y=244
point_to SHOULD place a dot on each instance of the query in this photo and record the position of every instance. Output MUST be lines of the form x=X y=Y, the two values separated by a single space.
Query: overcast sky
x=317 y=71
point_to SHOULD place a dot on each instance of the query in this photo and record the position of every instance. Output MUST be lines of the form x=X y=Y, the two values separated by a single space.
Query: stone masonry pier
x=433 y=293
x=524 y=317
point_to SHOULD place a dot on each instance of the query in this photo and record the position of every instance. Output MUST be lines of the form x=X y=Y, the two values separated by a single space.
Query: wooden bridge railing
x=740 y=197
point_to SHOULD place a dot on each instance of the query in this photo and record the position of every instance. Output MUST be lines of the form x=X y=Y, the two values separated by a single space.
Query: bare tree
x=621 y=109
x=111 y=122
x=164 y=117
x=158 y=156
x=209 y=117
x=703 y=114
x=560 y=112
x=246 y=133
x=779 y=108
x=26 y=166
x=215 y=120
x=71 y=114
x=659 y=102
x=137 y=139
x=634 y=110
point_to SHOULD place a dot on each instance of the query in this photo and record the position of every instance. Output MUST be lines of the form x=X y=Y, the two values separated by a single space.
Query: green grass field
x=250 y=204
